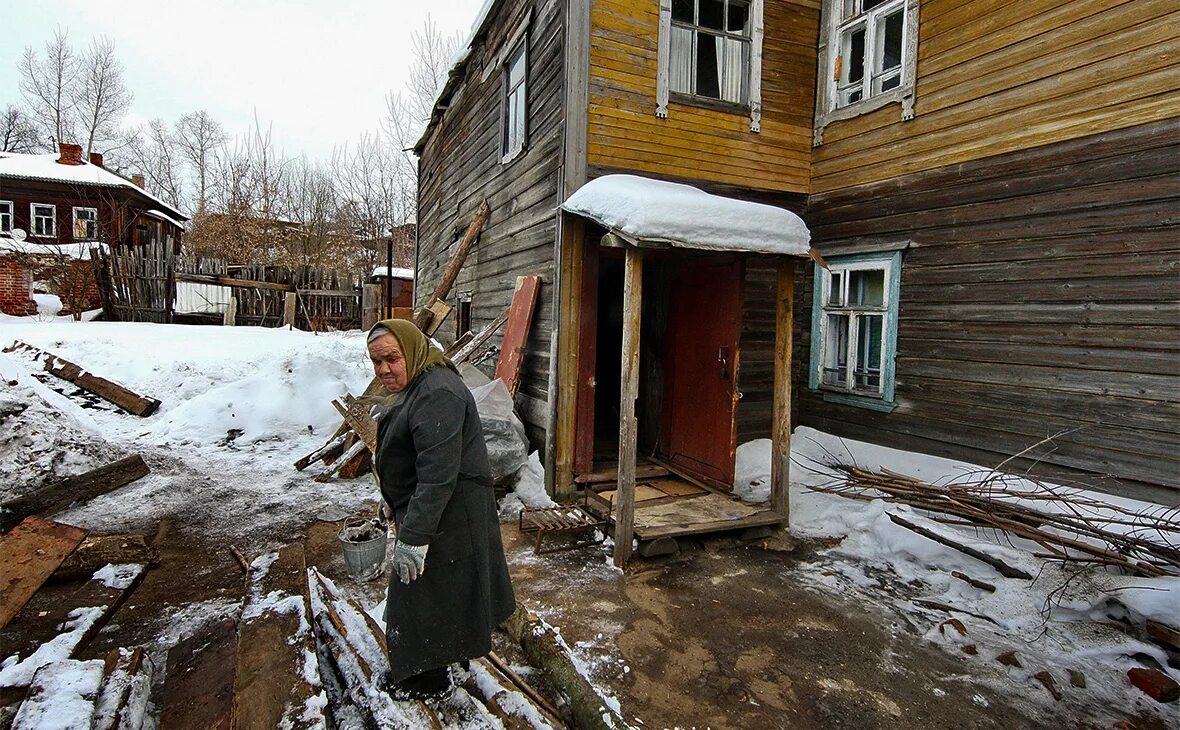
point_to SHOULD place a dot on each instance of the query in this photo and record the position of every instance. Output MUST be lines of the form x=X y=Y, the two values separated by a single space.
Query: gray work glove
x=409 y=561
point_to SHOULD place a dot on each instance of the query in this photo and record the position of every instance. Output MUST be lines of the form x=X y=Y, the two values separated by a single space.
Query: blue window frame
x=854 y=329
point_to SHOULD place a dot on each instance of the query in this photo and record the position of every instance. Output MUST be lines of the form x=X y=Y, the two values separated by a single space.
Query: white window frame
x=7 y=216
x=834 y=26
x=34 y=218
x=514 y=139
x=92 y=221
x=754 y=74
x=889 y=263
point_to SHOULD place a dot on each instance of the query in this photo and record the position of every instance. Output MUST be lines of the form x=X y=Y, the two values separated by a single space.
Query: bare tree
x=101 y=97
x=433 y=53
x=17 y=132
x=199 y=137
x=47 y=85
x=311 y=203
x=153 y=153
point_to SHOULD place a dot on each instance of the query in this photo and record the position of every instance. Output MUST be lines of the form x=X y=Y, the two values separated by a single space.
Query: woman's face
x=388 y=363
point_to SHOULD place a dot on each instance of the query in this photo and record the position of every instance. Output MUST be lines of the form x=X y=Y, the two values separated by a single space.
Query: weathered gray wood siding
x=461 y=165
x=1040 y=294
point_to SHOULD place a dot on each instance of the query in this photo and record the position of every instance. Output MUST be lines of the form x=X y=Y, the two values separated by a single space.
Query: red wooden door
x=700 y=368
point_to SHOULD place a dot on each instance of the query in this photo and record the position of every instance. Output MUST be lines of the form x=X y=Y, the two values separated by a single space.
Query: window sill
x=513 y=156
x=859 y=401
x=903 y=95
x=705 y=102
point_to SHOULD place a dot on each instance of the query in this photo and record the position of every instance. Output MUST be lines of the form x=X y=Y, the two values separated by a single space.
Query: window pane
x=890 y=40
x=707 y=68
x=712 y=14
x=854 y=56
x=836 y=290
x=870 y=4
x=867 y=373
x=867 y=288
x=836 y=350
x=680 y=61
x=682 y=10
x=516 y=68
x=733 y=69
x=739 y=18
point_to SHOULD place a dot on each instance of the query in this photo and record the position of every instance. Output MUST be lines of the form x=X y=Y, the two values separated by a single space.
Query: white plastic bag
x=508 y=446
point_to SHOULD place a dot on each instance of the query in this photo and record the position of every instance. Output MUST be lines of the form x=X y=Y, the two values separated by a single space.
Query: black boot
x=430 y=684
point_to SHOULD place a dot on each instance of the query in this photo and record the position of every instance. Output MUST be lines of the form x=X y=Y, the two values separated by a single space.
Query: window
x=85 y=224
x=515 y=102
x=5 y=216
x=870 y=49
x=44 y=218
x=854 y=329
x=710 y=52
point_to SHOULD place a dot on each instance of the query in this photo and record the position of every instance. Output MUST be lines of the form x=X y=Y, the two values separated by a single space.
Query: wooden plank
x=274 y=673
x=107 y=390
x=628 y=393
x=516 y=333
x=465 y=352
x=235 y=282
x=761 y=519
x=32 y=551
x=290 y=300
x=359 y=420
x=71 y=683
x=199 y=687
x=54 y=498
x=126 y=688
x=642 y=471
x=97 y=551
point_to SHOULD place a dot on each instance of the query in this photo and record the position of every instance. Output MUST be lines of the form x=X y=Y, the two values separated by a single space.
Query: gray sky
x=316 y=71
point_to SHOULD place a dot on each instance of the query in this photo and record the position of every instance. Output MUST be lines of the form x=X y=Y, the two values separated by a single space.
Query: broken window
x=44 y=219
x=870 y=49
x=515 y=108
x=855 y=325
x=5 y=216
x=709 y=53
x=85 y=224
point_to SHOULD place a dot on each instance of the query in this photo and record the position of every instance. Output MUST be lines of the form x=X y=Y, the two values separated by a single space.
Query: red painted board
x=516 y=332
x=30 y=554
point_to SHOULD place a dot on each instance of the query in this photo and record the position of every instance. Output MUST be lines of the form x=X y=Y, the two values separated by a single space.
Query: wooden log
x=108 y=390
x=69 y=681
x=516 y=334
x=1004 y=569
x=80 y=488
x=199 y=687
x=451 y=273
x=97 y=551
x=352 y=451
x=527 y=689
x=543 y=649
x=272 y=684
x=32 y=551
x=624 y=516
x=780 y=449
x=330 y=450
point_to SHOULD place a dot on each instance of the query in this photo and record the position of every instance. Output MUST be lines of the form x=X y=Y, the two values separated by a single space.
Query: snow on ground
x=1064 y=620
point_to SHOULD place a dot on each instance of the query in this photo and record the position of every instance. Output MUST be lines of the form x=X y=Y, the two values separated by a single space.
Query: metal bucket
x=363 y=542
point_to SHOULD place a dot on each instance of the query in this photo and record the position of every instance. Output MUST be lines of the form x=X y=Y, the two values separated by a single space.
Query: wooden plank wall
x=1004 y=75
x=461 y=166
x=697 y=143
x=1040 y=293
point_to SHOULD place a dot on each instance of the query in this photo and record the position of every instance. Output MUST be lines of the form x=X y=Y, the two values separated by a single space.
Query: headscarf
x=420 y=354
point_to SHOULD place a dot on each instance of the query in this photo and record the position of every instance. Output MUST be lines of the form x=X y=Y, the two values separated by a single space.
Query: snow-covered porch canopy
x=642 y=213
x=645 y=211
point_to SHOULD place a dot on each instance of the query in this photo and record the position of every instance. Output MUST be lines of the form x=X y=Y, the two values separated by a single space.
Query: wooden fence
x=136 y=283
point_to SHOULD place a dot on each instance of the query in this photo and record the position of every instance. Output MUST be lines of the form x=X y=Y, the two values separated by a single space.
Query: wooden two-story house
x=992 y=187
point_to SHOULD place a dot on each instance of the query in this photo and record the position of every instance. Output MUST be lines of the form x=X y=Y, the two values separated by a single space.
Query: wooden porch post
x=628 y=393
x=780 y=450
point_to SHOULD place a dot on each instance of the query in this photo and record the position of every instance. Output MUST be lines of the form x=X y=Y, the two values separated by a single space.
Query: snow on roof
x=46 y=167
x=681 y=215
x=161 y=216
x=398 y=273
x=79 y=251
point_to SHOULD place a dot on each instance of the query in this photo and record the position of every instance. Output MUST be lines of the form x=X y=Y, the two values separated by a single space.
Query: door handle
x=723 y=358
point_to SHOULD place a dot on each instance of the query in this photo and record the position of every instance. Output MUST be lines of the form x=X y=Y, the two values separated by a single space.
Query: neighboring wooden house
x=61 y=202
x=994 y=188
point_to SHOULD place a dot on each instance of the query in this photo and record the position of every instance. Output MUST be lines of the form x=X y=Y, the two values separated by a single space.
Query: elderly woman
x=450 y=586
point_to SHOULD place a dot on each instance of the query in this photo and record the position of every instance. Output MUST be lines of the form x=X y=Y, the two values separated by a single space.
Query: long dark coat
x=433 y=467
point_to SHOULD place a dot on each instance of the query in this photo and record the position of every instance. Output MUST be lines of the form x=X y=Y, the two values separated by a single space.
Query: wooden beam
x=31 y=553
x=229 y=281
x=780 y=440
x=462 y=354
x=107 y=390
x=290 y=300
x=482 y=214
x=628 y=393
x=199 y=686
x=516 y=334
x=47 y=500
x=564 y=372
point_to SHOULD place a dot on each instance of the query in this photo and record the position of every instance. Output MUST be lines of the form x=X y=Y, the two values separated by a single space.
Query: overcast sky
x=316 y=71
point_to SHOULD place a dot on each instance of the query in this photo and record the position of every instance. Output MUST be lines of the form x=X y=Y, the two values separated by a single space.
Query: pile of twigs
x=1071 y=526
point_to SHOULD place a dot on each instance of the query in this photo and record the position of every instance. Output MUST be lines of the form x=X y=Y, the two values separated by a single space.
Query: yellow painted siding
x=1006 y=75
x=693 y=142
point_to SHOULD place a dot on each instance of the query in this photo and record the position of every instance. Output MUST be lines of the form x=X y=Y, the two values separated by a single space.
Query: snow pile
x=751 y=474
x=48 y=305
x=654 y=210
x=528 y=490
x=118 y=577
x=64 y=696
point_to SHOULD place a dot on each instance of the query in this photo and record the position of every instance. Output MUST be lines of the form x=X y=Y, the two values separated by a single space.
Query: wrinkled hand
x=409 y=561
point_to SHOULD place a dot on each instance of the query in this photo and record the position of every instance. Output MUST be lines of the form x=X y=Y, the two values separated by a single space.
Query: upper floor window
x=44 y=219
x=515 y=112
x=5 y=216
x=85 y=224
x=868 y=55
x=854 y=328
x=710 y=52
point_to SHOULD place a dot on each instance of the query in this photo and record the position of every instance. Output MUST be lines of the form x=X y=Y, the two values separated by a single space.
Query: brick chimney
x=71 y=154
x=138 y=180
x=96 y=159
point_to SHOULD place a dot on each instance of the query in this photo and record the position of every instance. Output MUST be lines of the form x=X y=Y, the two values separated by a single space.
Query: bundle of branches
x=1070 y=525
